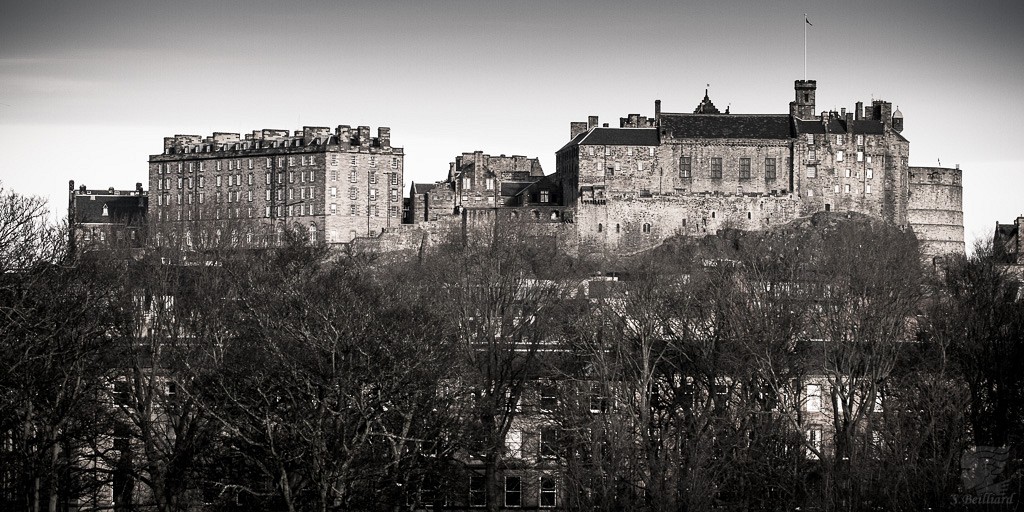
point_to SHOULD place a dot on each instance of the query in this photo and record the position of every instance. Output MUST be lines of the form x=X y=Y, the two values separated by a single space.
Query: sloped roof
x=621 y=137
x=422 y=188
x=120 y=208
x=511 y=188
x=727 y=126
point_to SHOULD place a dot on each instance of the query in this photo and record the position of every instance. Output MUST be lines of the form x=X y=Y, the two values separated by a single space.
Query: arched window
x=600 y=228
x=105 y=213
x=312 y=232
x=647 y=228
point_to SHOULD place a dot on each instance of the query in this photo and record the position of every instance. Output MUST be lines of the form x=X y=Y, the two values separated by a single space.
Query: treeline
x=819 y=365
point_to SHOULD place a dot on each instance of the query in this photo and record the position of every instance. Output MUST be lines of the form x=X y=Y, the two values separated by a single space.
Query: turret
x=803 y=106
x=897 y=120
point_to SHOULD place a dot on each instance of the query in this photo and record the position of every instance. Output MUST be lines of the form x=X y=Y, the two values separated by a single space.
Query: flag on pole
x=808 y=21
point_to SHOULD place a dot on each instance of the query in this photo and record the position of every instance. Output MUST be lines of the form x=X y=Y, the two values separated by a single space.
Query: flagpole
x=805 y=46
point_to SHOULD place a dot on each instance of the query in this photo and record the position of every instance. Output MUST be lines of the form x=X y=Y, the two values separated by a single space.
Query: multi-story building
x=107 y=218
x=337 y=185
x=694 y=173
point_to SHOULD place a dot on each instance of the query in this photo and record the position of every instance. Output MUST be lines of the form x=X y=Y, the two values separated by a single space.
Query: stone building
x=107 y=218
x=1007 y=243
x=334 y=184
x=695 y=173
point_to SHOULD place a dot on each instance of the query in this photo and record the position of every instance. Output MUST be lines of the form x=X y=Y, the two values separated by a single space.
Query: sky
x=88 y=89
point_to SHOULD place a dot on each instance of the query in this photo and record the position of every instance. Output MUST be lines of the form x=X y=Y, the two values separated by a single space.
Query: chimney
x=592 y=122
x=384 y=136
x=576 y=128
x=657 y=111
x=138 y=187
x=858 y=111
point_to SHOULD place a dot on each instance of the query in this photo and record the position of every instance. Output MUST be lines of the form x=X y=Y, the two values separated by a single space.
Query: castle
x=615 y=190
x=628 y=188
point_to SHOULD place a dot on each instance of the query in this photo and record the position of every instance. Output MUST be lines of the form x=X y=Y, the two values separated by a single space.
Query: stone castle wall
x=935 y=211
x=635 y=223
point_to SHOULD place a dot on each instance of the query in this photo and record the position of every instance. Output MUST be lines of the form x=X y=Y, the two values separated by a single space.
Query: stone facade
x=934 y=209
x=335 y=184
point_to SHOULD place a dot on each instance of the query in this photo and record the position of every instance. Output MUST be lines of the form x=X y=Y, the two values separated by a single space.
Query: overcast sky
x=88 y=89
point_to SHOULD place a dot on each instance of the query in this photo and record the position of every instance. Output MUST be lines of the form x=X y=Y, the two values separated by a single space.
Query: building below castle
x=225 y=189
x=107 y=218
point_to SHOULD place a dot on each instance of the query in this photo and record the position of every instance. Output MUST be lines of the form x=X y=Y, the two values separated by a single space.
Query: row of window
x=869 y=173
x=356 y=210
x=645 y=228
x=629 y=150
x=846 y=189
x=513 y=495
x=238 y=213
x=231 y=165
x=840 y=139
x=686 y=168
x=467 y=183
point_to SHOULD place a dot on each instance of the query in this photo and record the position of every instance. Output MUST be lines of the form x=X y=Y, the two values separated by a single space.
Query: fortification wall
x=935 y=210
x=632 y=224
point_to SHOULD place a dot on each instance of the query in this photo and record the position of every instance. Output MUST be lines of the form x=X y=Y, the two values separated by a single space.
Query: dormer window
x=105 y=213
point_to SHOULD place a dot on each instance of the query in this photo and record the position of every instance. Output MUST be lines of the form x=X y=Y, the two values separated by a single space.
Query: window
x=813 y=441
x=353 y=209
x=373 y=161
x=769 y=168
x=811 y=155
x=639 y=166
x=251 y=178
x=547 y=492
x=860 y=141
x=647 y=228
x=607 y=150
x=334 y=209
x=629 y=150
x=846 y=189
x=394 y=162
x=217 y=167
x=716 y=168
x=394 y=178
x=849 y=173
x=513 y=491
x=334 y=191
x=600 y=227
x=250 y=163
x=548 y=398
x=840 y=140
x=744 y=168
x=870 y=173
x=548 y=443
x=489 y=182
x=514 y=443
x=353 y=193
x=467 y=183
x=352 y=175
x=291 y=161
x=291 y=176
x=835 y=189
x=860 y=156
x=477 y=491
x=839 y=156
x=544 y=196
x=810 y=139
x=813 y=403
x=650 y=151
x=685 y=167
x=812 y=171
x=202 y=181
x=867 y=188
x=373 y=194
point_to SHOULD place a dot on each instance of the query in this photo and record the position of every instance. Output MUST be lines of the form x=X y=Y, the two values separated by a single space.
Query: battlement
x=352 y=139
x=936 y=176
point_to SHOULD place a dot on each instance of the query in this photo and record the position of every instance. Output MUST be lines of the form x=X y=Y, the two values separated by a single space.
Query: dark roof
x=621 y=137
x=706 y=106
x=575 y=140
x=511 y=188
x=727 y=126
x=422 y=188
x=120 y=208
x=867 y=127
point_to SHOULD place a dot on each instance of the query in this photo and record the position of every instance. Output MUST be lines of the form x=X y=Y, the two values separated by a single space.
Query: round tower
x=935 y=210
